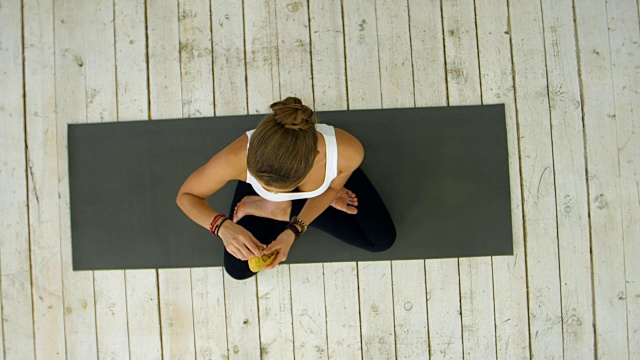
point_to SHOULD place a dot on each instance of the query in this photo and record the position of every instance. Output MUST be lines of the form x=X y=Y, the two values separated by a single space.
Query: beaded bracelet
x=294 y=230
x=214 y=221
x=218 y=226
x=298 y=222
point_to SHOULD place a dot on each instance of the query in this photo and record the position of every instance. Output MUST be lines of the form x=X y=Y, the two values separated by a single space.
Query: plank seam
x=293 y=335
x=344 y=53
x=26 y=157
x=413 y=76
x=275 y=16
x=95 y=311
x=553 y=165
x=475 y=22
x=255 y=279
x=244 y=49
x=313 y=91
x=324 y=295
x=524 y=222
x=375 y=11
x=359 y=311
x=586 y=164
x=393 y=311
x=180 y=61
x=160 y=311
x=226 y=323
x=115 y=57
x=460 y=305
x=126 y=311
x=426 y=309
x=193 y=315
x=146 y=39
x=444 y=53
x=213 y=57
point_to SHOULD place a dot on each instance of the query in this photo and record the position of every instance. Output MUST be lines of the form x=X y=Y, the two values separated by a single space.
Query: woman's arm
x=228 y=164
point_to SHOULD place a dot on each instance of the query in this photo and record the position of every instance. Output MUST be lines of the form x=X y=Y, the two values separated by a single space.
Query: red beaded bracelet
x=214 y=221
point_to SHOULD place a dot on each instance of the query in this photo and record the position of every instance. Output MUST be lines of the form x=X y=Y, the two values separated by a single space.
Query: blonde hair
x=283 y=147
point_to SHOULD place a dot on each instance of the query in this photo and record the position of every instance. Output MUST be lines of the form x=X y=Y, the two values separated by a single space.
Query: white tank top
x=331 y=171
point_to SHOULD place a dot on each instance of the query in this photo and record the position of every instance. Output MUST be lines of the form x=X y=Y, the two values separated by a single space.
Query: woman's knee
x=383 y=240
x=238 y=273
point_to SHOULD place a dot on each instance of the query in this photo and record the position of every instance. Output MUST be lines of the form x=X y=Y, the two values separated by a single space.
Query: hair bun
x=292 y=114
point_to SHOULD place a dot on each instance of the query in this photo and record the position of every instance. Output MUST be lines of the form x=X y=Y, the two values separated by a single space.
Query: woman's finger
x=256 y=245
x=274 y=263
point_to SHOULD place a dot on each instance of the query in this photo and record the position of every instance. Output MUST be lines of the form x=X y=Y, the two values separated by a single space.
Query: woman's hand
x=238 y=241
x=282 y=244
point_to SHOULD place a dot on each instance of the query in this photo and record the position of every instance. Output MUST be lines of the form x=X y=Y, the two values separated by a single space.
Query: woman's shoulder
x=350 y=150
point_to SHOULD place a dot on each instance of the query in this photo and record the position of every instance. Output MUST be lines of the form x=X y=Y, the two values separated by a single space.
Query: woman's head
x=284 y=145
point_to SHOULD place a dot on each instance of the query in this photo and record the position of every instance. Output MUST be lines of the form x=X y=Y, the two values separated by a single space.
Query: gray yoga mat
x=443 y=173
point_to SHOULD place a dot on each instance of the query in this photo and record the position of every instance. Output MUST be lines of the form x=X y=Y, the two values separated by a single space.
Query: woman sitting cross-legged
x=292 y=173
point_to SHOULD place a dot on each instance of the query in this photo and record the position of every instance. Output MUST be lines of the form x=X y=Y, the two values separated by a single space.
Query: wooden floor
x=567 y=71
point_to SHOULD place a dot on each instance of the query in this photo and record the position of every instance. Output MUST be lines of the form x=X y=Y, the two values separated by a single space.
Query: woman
x=291 y=173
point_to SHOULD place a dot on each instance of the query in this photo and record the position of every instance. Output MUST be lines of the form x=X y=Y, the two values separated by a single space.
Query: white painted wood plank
x=292 y=20
x=396 y=78
x=176 y=308
x=71 y=102
x=16 y=332
x=571 y=188
x=176 y=314
x=476 y=303
x=143 y=314
x=111 y=315
x=308 y=310
x=228 y=57
x=327 y=54
x=195 y=58
x=164 y=60
x=427 y=50
x=443 y=301
x=376 y=309
x=329 y=81
x=361 y=48
x=100 y=88
x=603 y=176
x=624 y=45
x=242 y=318
x=261 y=49
x=133 y=104
x=343 y=311
x=276 y=324
x=131 y=60
x=509 y=275
x=410 y=309
x=209 y=313
x=545 y=313
x=461 y=52
x=463 y=84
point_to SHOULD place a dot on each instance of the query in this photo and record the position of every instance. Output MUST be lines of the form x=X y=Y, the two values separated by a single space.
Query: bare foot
x=257 y=206
x=346 y=201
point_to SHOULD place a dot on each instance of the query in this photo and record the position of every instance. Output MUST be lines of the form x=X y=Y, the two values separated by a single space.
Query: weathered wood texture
x=567 y=72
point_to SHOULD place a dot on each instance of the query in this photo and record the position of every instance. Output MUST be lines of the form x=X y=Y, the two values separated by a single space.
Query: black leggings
x=371 y=228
